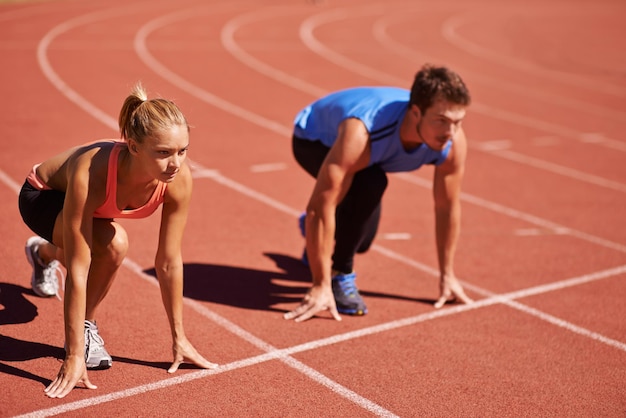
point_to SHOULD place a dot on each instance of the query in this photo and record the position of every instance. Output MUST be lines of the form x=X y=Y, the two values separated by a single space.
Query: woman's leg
x=109 y=248
x=39 y=210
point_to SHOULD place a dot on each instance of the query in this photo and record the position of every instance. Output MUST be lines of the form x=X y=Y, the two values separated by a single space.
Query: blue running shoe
x=347 y=296
x=301 y=221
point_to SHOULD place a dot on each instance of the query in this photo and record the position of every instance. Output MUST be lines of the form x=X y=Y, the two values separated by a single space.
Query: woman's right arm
x=77 y=235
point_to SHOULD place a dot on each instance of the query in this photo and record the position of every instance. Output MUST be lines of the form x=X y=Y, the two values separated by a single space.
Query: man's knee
x=371 y=181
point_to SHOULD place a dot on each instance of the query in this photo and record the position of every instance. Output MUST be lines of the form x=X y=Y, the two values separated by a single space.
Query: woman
x=71 y=201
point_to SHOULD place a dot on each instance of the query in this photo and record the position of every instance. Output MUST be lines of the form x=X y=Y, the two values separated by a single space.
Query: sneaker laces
x=348 y=286
x=93 y=335
x=51 y=275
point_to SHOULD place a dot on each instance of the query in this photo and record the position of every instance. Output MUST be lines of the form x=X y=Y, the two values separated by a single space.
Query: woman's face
x=162 y=155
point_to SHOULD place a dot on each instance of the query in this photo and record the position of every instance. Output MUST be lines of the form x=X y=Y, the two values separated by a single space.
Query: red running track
x=543 y=245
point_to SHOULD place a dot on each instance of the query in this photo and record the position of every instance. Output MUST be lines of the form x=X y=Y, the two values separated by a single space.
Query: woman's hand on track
x=451 y=290
x=73 y=371
x=184 y=352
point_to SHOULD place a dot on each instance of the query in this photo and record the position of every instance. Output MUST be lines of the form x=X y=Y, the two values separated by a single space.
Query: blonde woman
x=71 y=202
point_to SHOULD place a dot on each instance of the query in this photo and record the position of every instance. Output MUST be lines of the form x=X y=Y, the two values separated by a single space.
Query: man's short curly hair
x=438 y=83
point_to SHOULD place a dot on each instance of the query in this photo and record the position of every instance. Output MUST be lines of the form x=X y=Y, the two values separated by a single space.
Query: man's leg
x=357 y=219
x=358 y=216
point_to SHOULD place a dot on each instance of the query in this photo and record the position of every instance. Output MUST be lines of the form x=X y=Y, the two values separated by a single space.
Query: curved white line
x=449 y=32
x=192 y=89
x=57 y=81
x=508 y=299
x=130 y=392
x=227 y=37
x=309 y=39
x=562 y=170
x=31 y=10
x=230 y=29
x=382 y=36
x=73 y=96
x=517 y=214
x=231 y=45
x=143 y=52
x=87 y=106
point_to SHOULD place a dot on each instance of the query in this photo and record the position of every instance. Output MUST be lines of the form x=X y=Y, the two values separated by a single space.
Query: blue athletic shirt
x=381 y=109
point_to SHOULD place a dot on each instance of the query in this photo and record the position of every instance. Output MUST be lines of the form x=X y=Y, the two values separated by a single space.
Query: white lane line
x=529 y=232
x=559 y=169
x=269 y=167
x=380 y=31
x=505 y=298
x=449 y=32
x=57 y=81
x=31 y=10
x=228 y=41
x=308 y=38
x=492 y=299
x=493 y=145
x=351 y=335
x=556 y=228
x=273 y=352
x=184 y=84
x=10 y=183
x=306 y=33
x=396 y=236
x=438 y=311
x=217 y=177
x=93 y=110
x=516 y=214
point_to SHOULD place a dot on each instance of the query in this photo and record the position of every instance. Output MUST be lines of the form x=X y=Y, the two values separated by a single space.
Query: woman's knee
x=110 y=241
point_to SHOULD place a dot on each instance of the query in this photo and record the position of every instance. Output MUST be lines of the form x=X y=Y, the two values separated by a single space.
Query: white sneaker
x=44 y=280
x=96 y=357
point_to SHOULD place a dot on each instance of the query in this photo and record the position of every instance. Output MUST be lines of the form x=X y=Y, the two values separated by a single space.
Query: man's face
x=439 y=123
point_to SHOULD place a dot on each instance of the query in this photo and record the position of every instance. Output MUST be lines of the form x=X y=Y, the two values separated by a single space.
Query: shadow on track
x=257 y=289
x=16 y=308
x=246 y=288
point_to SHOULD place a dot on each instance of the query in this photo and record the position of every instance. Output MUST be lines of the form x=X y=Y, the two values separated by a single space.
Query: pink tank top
x=109 y=209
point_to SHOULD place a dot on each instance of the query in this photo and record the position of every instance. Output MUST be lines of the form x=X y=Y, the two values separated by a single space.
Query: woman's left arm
x=169 y=267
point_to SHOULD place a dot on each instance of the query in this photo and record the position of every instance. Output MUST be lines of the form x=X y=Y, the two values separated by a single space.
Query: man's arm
x=349 y=154
x=447 y=196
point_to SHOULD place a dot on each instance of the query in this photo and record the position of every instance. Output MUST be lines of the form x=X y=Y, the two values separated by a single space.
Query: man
x=348 y=141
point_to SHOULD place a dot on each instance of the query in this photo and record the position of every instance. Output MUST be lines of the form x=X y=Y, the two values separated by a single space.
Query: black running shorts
x=40 y=208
